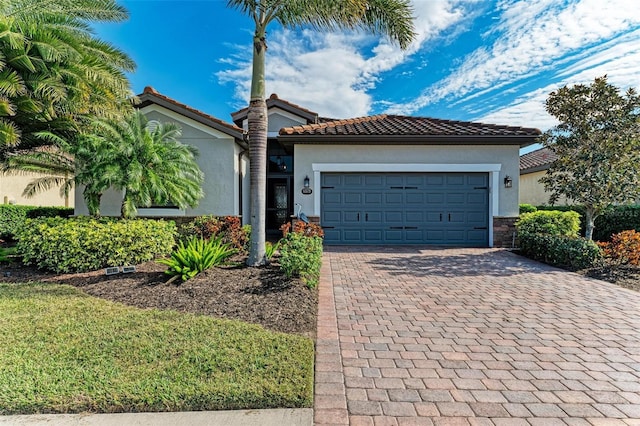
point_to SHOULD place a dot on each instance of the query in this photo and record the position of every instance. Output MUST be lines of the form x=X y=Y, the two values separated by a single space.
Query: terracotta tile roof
x=537 y=160
x=150 y=95
x=274 y=100
x=391 y=125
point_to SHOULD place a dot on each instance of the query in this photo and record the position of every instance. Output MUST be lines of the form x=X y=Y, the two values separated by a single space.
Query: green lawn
x=64 y=351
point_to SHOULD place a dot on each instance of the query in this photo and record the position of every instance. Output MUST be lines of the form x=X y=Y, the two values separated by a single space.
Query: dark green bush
x=49 y=212
x=301 y=256
x=527 y=208
x=549 y=222
x=572 y=252
x=12 y=218
x=85 y=244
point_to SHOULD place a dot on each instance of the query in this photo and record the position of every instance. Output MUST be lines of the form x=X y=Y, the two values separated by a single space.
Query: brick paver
x=471 y=337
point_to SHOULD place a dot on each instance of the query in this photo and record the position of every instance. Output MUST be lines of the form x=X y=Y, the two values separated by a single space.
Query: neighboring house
x=12 y=186
x=384 y=179
x=533 y=166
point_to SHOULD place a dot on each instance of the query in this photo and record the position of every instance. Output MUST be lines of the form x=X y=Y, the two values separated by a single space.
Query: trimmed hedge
x=618 y=219
x=35 y=212
x=12 y=216
x=571 y=252
x=549 y=222
x=84 y=244
x=527 y=208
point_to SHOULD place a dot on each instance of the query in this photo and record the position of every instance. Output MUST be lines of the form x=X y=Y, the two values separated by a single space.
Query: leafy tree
x=598 y=147
x=147 y=163
x=54 y=73
x=392 y=18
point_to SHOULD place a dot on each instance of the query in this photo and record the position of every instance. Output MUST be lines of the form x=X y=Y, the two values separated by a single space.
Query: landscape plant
x=549 y=222
x=228 y=227
x=197 y=255
x=391 y=18
x=597 y=143
x=624 y=248
x=85 y=244
x=301 y=256
x=55 y=73
x=271 y=248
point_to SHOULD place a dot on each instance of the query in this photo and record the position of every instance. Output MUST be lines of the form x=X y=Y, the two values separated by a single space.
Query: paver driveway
x=472 y=336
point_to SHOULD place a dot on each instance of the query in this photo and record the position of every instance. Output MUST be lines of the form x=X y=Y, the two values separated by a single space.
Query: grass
x=63 y=351
x=7 y=253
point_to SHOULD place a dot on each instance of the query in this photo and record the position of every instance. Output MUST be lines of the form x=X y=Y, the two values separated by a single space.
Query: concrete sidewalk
x=275 y=417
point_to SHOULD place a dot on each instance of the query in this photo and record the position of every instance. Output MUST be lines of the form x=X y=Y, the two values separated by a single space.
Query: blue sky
x=491 y=61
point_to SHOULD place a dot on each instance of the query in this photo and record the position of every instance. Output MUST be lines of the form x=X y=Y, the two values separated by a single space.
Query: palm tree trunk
x=257 y=127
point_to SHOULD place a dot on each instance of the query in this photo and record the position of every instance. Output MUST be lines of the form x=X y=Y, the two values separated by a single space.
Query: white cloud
x=331 y=73
x=618 y=59
x=532 y=36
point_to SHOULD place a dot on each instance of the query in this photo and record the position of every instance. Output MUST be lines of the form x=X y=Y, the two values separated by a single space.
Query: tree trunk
x=589 y=219
x=257 y=128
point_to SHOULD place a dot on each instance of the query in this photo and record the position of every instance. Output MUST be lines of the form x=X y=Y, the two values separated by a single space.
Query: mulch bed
x=626 y=276
x=257 y=295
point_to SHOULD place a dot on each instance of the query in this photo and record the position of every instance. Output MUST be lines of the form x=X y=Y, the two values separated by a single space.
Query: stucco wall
x=217 y=158
x=532 y=191
x=11 y=187
x=507 y=157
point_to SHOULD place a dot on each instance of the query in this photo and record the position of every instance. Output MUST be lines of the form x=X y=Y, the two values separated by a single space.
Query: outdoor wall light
x=306 y=190
x=508 y=182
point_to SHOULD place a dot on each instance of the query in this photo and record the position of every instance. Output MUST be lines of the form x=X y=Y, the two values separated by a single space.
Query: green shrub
x=12 y=218
x=85 y=244
x=572 y=252
x=301 y=256
x=616 y=220
x=527 y=208
x=197 y=255
x=49 y=212
x=549 y=222
x=206 y=227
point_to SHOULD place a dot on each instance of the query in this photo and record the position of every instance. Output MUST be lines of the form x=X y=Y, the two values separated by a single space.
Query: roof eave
x=521 y=141
x=146 y=99
x=535 y=169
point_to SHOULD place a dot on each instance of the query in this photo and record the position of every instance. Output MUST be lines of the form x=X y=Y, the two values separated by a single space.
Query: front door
x=278 y=203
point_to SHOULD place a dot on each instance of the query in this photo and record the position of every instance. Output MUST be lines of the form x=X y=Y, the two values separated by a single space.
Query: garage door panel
x=393 y=216
x=406 y=208
x=374 y=217
x=414 y=198
x=352 y=197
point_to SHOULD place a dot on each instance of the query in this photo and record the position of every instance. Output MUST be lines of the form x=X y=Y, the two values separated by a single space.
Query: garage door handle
x=449 y=217
x=440 y=217
x=480 y=227
x=358 y=217
x=396 y=227
x=366 y=217
x=410 y=227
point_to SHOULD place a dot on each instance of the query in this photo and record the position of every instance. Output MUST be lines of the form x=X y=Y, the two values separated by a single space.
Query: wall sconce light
x=508 y=182
x=306 y=183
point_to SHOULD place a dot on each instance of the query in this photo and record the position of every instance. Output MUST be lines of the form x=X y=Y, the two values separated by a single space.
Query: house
x=383 y=179
x=12 y=185
x=533 y=166
x=223 y=158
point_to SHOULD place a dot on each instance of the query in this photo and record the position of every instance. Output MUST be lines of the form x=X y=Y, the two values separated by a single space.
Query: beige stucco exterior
x=221 y=160
x=532 y=191
x=12 y=186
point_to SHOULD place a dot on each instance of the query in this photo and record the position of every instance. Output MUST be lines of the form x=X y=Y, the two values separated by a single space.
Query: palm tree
x=147 y=163
x=392 y=18
x=54 y=73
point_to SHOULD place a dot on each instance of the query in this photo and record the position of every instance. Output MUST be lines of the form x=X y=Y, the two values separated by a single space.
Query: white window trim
x=492 y=169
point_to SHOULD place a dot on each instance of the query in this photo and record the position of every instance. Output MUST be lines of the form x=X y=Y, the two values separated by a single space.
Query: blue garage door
x=406 y=208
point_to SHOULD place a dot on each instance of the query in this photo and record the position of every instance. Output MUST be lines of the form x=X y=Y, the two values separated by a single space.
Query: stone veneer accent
x=504 y=229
